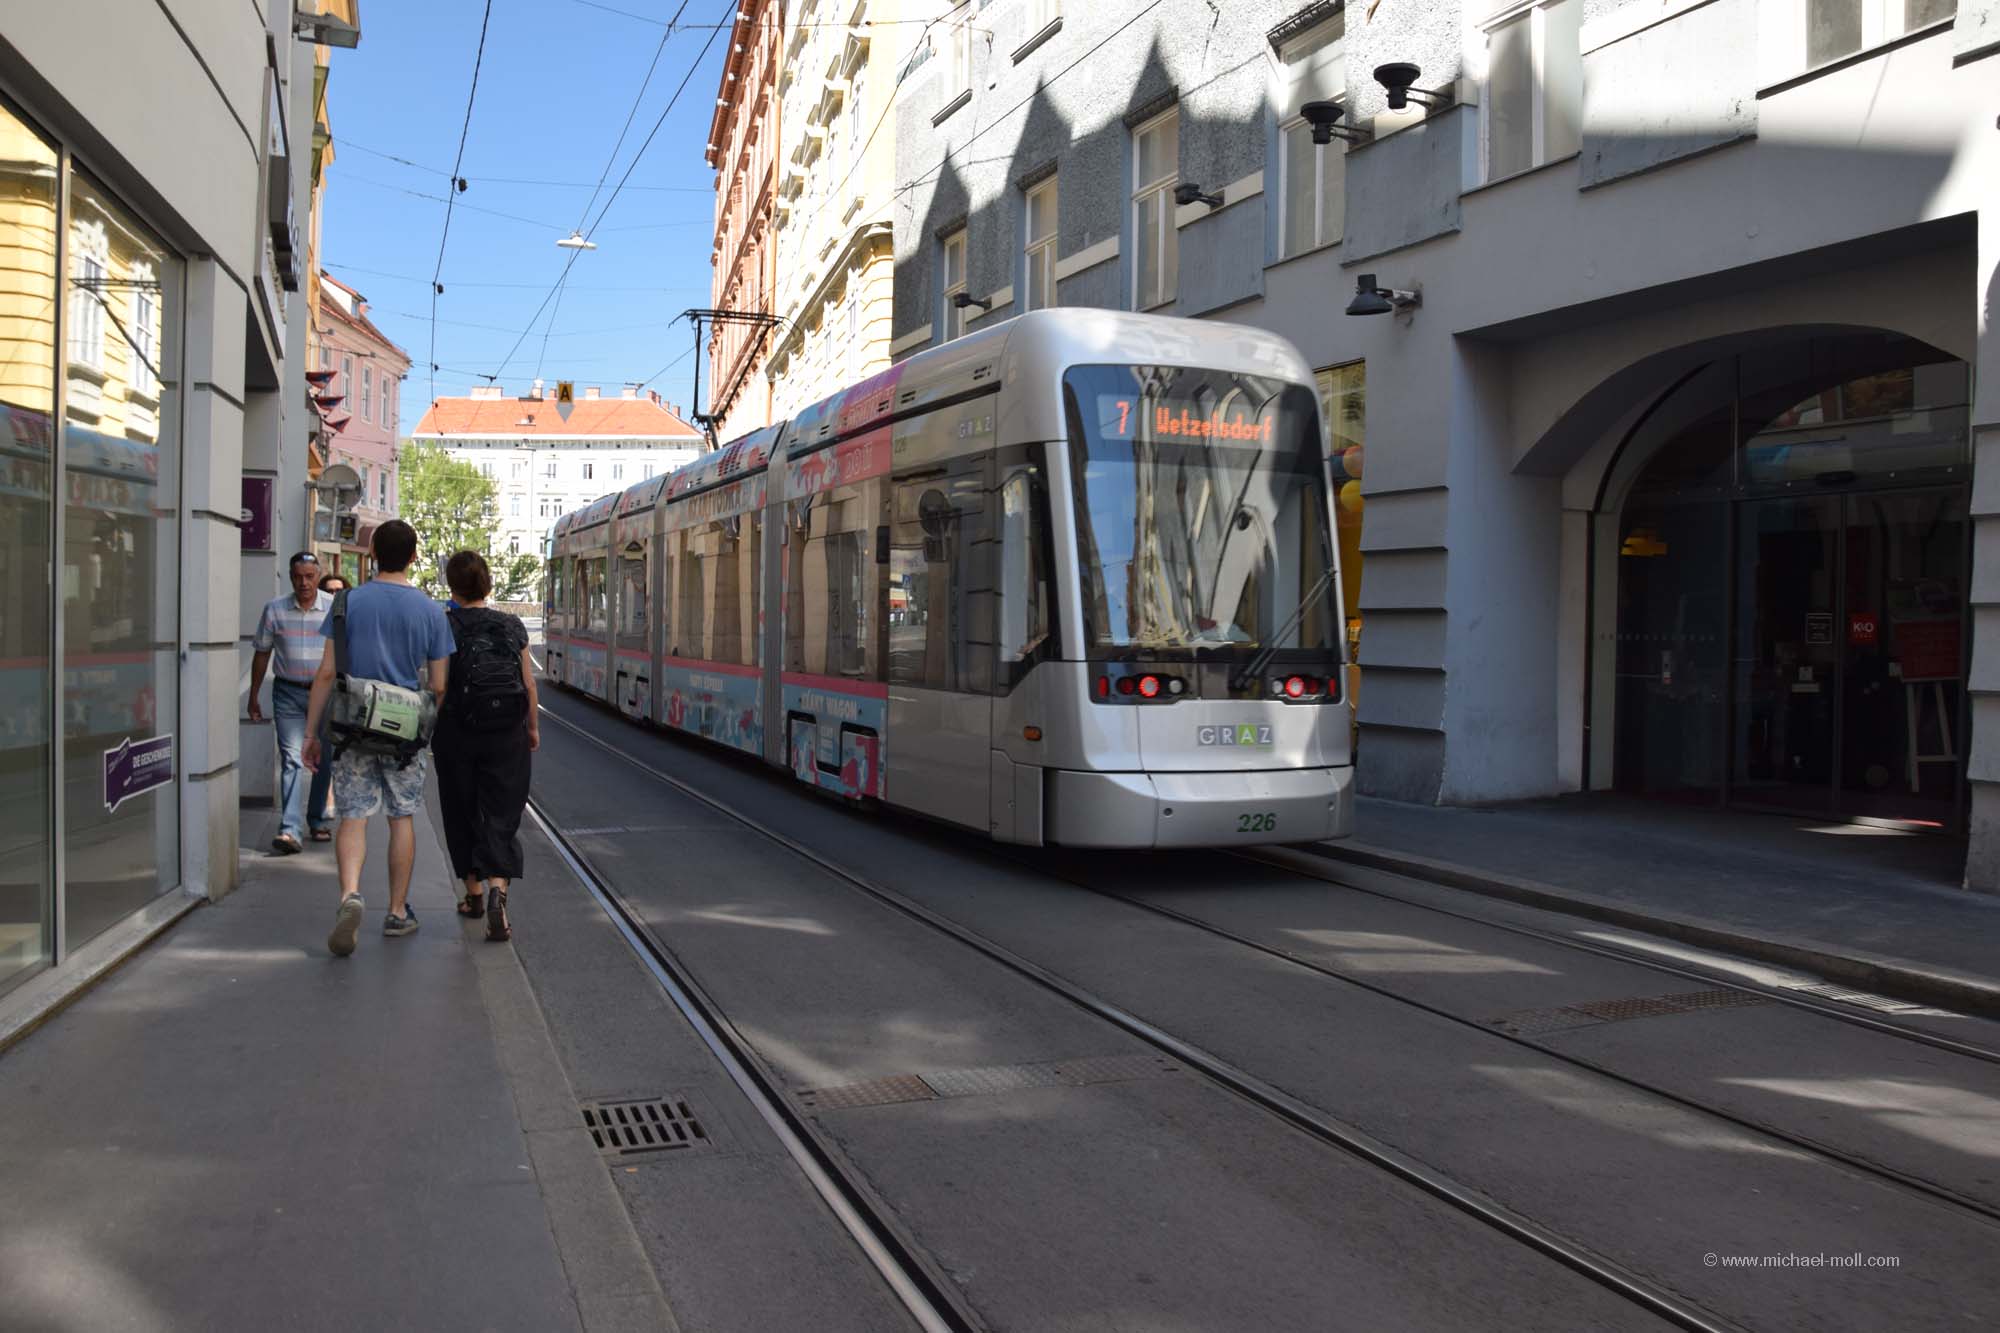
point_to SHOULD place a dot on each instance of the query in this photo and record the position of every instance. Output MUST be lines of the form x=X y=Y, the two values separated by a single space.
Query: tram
x=1068 y=580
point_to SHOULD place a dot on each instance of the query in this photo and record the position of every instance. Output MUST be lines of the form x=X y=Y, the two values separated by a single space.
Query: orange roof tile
x=628 y=417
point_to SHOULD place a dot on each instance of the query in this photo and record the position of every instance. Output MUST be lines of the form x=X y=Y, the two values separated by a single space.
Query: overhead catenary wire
x=632 y=166
x=610 y=161
x=465 y=130
x=340 y=142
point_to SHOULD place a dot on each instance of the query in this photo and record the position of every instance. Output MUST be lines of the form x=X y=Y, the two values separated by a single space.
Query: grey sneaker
x=406 y=924
x=346 y=925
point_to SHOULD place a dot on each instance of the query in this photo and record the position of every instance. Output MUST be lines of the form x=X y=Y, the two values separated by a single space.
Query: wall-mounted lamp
x=1187 y=192
x=1399 y=79
x=1324 y=118
x=328 y=29
x=1372 y=300
x=960 y=300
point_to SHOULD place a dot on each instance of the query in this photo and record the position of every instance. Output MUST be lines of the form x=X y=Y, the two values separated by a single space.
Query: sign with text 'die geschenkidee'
x=132 y=768
x=565 y=398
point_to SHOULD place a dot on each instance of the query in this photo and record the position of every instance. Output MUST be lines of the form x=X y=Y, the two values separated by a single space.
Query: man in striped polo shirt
x=288 y=639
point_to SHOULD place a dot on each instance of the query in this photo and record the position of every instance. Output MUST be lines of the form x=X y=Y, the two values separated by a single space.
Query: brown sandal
x=498 y=929
x=472 y=905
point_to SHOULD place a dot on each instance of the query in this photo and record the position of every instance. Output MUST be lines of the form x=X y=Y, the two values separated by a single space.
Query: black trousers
x=482 y=790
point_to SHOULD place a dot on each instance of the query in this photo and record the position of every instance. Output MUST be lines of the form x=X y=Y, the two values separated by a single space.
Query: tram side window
x=832 y=586
x=689 y=642
x=596 y=590
x=941 y=593
x=722 y=543
x=1026 y=597
x=632 y=595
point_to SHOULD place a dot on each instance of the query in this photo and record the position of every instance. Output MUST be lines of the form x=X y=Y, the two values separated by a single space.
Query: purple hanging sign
x=132 y=768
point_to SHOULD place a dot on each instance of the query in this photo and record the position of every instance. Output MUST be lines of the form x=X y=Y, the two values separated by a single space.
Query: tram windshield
x=1202 y=519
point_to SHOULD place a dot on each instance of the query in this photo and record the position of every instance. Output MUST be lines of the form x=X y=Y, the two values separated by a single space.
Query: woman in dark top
x=485 y=733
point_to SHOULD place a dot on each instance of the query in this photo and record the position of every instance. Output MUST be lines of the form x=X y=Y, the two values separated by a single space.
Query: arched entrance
x=1792 y=570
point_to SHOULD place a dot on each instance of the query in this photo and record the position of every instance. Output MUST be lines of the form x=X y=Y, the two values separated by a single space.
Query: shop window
x=30 y=174
x=1343 y=401
x=1156 y=155
x=120 y=580
x=1532 y=102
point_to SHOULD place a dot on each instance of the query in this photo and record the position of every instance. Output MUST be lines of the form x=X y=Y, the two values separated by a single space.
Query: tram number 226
x=1263 y=822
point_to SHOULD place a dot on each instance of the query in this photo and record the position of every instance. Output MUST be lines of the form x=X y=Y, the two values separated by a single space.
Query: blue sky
x=556 y=83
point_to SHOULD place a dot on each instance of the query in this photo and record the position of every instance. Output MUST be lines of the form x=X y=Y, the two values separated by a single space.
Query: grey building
x=154 y=199
x=1672 y=465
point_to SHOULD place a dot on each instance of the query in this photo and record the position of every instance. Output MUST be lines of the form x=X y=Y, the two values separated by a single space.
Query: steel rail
x=1840 y=1156
x=935 y=1308
x=1717 y=976
x=1659 y=1300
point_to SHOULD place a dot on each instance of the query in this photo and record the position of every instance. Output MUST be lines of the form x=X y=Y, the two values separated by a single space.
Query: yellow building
x=836 y=181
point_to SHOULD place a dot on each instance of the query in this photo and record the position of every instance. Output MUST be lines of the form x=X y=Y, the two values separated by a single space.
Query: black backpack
x=485 y=689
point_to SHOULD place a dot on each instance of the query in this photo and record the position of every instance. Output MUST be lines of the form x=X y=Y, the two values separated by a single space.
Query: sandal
x=322 y=835
x=498 y=929
x=472 y=905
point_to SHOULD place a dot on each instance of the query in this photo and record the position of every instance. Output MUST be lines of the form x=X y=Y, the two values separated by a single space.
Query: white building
x=546 y=461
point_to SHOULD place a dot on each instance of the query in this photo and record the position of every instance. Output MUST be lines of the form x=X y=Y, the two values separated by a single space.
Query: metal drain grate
x=874 y=1092
x=1827 y=990
x=1590 y=1013
x=622 y=1129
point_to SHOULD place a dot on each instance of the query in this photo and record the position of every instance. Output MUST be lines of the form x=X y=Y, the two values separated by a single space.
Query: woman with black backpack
x=486 y=730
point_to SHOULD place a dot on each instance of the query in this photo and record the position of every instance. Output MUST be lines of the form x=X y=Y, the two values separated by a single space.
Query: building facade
x=835 y=261
x=1670 y=455
x=743 y=151
x=361 y=397
x=542 y=465
x=149 y=304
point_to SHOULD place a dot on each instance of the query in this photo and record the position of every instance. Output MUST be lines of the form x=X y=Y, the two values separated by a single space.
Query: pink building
x=367 y=374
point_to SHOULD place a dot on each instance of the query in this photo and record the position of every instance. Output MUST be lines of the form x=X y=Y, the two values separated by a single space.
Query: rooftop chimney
x=536 y=392
x=486 y=391
x=654 y=394
x=591 y=392
x=631 y=389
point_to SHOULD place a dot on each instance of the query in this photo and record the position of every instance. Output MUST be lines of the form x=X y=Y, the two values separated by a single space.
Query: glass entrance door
x=1848 y=680
x=1787 y=661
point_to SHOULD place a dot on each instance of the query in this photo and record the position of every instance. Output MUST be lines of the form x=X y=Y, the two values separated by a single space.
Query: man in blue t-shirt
x=395 y=633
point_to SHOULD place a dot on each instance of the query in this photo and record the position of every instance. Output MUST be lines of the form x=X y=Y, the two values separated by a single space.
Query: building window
x=389 y=405
x=347 y=375
x=617 y=472
x=367 y=393
x=961 y=49
x=145 y=331
x=1534 y=84
x=326 y=358
x=513 y=506
x=589 y=470
x=649 y=472
x=549 y=469
x=382 y=498
x=1311 y=177
x=1041 y=13
x=853 y=328
x=1837 y=28
x=486 y=470
x=1039 y=291
x=951 y=281
x=92 y=251
x=1156 y=155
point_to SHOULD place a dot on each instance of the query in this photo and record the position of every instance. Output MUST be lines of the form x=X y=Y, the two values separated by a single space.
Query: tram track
x=895 y=1255
x=1288 y=860
x=1827 y=1152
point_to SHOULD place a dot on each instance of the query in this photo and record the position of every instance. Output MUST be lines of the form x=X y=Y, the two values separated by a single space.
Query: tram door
x=942 y=615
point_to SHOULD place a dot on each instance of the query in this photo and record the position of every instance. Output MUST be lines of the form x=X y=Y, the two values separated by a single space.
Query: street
x=1687 y=1126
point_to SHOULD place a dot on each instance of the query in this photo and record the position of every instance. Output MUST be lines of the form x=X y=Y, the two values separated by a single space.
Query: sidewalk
x=1867 y=907
x=237 y=1131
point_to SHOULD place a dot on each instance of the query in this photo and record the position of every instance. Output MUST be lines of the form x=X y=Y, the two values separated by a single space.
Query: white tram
x=1070 y=579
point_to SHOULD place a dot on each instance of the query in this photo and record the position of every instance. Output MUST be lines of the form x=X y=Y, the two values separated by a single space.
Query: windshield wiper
x=1255 y=666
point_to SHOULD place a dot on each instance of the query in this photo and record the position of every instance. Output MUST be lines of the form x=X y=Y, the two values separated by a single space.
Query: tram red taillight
x=1295 y=687
x=1149 y=686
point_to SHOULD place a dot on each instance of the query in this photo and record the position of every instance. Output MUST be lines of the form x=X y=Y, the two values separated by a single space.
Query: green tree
x=521 y=581
x=452 y=506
